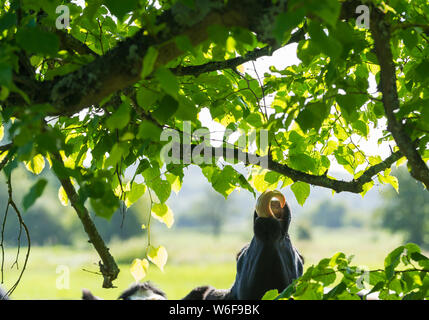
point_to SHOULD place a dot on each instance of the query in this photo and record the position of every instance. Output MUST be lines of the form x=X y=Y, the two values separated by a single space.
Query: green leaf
x=361 y=127
x=224 y=181
x=260 y=183
x=338 y=259
x=139 y=269
x=148 y=130
x=350 y=104
x=422 y=70
x=146 y=98
x=175 y=182
x=38 y=41
x=36 y=165
x=313 y=291
x=187 y=109
x=158 y=256
x=302 y=162
x=270 y=295
x=410 y=38
x=62 y=195
x=167 y=108
x=255 y=120
x=286 y=21
x=184 y=43
x=35 y=192
x=168 y=81
x=1 y=132
x=137 y=190
x=301 y=191
x=245 y=184
x=120 y=118
x=120 y=8
x=149 y=61
x=380 y=285
x=7 y=20
x=338 y=289
x=327 y=10
x=328 y=45
x=119 y=151
x=162 y=189
x=106 y=205
x=422 y=260
x=312 y=116
x=392 y=260
x=5 y=76
x=327 y=276
x=163 y=213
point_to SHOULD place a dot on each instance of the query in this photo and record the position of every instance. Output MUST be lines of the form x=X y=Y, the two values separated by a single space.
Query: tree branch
x=234 y=62
x=381 y=35
x=71 y=44
x=108 y=266
x=185 y=153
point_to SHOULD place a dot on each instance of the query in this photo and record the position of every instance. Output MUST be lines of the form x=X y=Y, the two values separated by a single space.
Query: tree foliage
x=404 y=277
x=91 y=100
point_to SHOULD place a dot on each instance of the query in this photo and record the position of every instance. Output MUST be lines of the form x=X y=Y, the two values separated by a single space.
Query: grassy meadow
x=194 y=259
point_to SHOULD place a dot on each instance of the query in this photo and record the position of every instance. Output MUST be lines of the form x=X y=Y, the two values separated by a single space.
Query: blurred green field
x=194 y=259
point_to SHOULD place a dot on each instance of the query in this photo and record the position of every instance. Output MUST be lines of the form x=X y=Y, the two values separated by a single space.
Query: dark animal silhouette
x=3 y=295
x=268 y=262
x=137 y=291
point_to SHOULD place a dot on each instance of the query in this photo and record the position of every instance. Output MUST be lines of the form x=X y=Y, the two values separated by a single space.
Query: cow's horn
x=263 y=205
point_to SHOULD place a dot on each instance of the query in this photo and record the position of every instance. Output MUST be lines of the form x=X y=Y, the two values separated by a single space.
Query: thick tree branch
x=108 y=266
x=71 y=44
x=234 y=62
x=186 y=153
x=381 y=35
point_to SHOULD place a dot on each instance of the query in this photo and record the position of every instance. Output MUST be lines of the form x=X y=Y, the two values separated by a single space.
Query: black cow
x=3 y=295
x=137 y=291
x=268 y=262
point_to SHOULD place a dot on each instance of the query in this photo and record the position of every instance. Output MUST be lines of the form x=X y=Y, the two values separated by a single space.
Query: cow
x=268 y=262
x=137 y=291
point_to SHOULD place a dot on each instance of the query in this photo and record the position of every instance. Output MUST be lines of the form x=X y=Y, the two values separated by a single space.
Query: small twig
x=2 y=240
x=22 y=224
x=149 y=220
x=93 y=272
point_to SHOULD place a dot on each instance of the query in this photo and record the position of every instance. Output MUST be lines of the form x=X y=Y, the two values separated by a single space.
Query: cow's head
x=269 y=261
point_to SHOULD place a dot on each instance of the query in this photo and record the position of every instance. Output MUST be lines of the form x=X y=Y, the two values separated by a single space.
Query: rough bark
x=381 y=34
